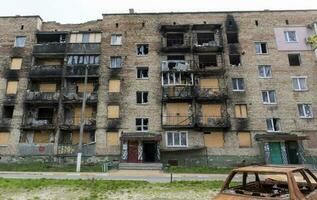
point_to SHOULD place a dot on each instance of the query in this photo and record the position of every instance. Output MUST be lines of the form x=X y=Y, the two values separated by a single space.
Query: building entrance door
x=149 y=151
x=132 y=151
x=292 y=152
x=276 y=153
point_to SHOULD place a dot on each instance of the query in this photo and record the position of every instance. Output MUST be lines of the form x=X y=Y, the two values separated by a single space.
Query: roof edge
x=23 y=16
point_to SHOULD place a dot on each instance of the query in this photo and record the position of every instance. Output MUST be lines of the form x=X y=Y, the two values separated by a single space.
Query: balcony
x=92 y=98
x=51 y=71
x=210 y=93
x=38 y=124
x=175 y=65
x=54 y=48
x=177 y=121
x=212 y=121
x=79 y=71
x=83 y=48
x=174 y=28
x=74 y=123
x=12 y=74
x=207 y=46
x=178 y=93
x=176 y=44
x=5 y=123
x=41 y=97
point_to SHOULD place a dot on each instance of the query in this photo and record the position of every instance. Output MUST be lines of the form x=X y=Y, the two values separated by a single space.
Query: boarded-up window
x=75 y=137
x=4 y=138
x=244 y=139
x=113 y=111
x=41 y=137
x=81 y=87
x=214 y=140
x=47 y=87
x=114 y=85
x=12 y=87
x=177 y=114
x=211 y=83
x=16 y=63
x=210 y=111
x=77 y=113
x=241 y=111
x=112 y=138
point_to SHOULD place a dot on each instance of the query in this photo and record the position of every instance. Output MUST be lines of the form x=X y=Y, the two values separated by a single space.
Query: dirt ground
x=71 y=193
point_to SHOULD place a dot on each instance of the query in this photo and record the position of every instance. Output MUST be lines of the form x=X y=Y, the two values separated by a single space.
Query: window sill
x=141 y=55
x=142 y=131
x=270 y=104
x=142 y=104
x=265 y=77
x=168 y=146
x=142 y=78
x=238 y=90
x=306 y=117
x=4 y=145
x=273 y=131
x=301 y=90
x=116 y=45
x=262 y=53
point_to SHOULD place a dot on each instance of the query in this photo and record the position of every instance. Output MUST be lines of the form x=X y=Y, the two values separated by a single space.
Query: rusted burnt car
x=269 y=182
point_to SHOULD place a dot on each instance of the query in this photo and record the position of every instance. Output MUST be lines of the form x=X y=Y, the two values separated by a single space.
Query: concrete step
x=140 y=166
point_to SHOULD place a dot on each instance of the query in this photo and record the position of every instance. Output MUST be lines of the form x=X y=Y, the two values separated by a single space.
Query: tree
x=312 y=40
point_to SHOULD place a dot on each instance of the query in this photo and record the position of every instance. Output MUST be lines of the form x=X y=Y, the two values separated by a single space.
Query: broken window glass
x=260 y=47
x=175 y=39
x=234 y=60
x=142 y=73
x=294 y=59
x=206 y=39
x=207 y=61
x=142 y=49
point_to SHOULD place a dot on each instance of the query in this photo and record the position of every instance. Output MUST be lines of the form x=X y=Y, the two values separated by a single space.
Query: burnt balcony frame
x=41 y=97
x=84 y=48
x=92 y=98
x=36 y=124
x=212 y=121
x=5 y=123
x=53 y=48
x=207 y=94
x=73 y=71
x=178 y=92
x=177 y=121
x=69 y=124
x=49 y=71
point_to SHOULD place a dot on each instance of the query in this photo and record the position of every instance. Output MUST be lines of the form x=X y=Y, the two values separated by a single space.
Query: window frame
x=298 y=83
x=266 y=46
x=305 y=116
x=115 y=57
x=264 y=66
x=299 y=59
x=136 y=49
x=240 y=115
x=272 y=124
x=268 y=95
x=234 y=84
x=287 y=38
x=173 y=140
x=116 y=35
x=143 y=78
x=15 y=41
x=142 y=97
x=142 y=124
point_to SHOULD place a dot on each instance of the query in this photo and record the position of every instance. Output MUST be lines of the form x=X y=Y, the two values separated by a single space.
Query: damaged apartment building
x=196 y=88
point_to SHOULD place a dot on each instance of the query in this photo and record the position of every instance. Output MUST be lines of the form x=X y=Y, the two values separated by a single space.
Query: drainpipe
x=315 y=28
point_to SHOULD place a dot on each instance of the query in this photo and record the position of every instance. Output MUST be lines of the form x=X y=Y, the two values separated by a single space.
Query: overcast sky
x=76 y=11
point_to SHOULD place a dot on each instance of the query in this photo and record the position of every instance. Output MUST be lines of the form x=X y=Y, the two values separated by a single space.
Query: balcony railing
x=5 y=122
x=175 y=65
x=73 y=71
x=49 y=48
x=41 y=96
x=210 y=93
x=177 y=121
x=46 y=71
x=213 y=121
x=40 y=123
x=84 y=48
x=74 y=123
x=178 y=92
x=191 y=65
x=78 y=97
x=170 y=45
x=35 y=149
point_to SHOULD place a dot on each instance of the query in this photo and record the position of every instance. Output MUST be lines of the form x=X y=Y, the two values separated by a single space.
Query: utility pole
x=82 y=118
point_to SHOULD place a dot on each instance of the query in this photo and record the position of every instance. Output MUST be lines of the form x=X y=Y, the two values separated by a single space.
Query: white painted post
x=78 y=162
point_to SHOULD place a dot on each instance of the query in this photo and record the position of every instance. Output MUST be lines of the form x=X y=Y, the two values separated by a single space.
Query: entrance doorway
x=292 y=152
x=275 y=153
x=149 y=151
x=133 y=151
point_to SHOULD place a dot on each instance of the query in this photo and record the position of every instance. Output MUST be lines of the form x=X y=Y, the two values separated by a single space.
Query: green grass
x=99 y=186
x=199 y=170
x=43 y=167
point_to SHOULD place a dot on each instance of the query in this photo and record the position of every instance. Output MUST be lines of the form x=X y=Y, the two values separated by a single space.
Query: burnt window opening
x=65 y=138
x=175 y=39
x=142 y=73
x=8 y=112
x=143 y=24
x=286 y=22
x=230 y=22
x=22 y=27
x=234 y=60
x=294 y=59
x=256 y=22
x=207 y=61
x=46 y=114
x=205 y=38
x=51 y=38
x=142 y=49
x=174 y=23
x=232 y=38
x=117 y=25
